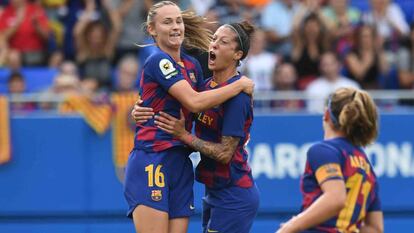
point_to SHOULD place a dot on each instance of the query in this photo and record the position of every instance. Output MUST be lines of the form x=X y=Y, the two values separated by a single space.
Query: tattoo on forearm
x=217 y=151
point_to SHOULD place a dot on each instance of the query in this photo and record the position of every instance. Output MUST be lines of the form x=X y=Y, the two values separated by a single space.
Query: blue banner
x=61 y=167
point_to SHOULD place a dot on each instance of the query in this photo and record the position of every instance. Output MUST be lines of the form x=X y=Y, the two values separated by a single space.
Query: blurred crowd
x=315 y=46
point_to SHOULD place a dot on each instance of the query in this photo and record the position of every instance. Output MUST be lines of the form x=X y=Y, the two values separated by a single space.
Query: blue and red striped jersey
x=339 y=159
x=232 y=118
x=159 y=73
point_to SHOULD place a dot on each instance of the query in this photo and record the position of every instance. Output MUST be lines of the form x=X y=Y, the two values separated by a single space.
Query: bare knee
x=178 y=225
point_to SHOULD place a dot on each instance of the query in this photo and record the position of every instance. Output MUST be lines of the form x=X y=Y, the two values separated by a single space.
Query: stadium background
x=60 y=169
x=62 y=176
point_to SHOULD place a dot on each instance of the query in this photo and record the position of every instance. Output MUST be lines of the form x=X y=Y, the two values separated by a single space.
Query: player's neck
x=224 y=75
x=174 y=53
x=332 y=133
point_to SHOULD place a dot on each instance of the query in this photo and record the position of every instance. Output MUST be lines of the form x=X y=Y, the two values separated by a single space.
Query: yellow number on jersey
x=158 y=177
x=356 y=188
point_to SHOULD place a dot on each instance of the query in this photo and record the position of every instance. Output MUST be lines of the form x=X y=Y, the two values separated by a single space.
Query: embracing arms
x=200 y=101
x=221 y=152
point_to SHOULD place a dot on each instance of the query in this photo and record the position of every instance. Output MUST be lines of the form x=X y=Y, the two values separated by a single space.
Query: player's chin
x=211 y=67
x=176 y=43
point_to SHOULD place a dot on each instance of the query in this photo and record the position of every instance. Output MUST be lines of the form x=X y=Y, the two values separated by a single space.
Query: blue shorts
x=230 y=210
x=162 y=180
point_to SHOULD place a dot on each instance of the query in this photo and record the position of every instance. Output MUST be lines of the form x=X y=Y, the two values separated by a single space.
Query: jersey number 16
x=156 y=177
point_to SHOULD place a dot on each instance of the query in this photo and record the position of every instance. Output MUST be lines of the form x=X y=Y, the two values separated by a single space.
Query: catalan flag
x=99 y=116
x=5 y=144
x=123 y=127
x=96 y=114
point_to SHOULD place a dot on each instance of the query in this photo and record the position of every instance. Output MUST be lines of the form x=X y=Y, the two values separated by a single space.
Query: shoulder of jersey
x=155 y=57
x=162 y=62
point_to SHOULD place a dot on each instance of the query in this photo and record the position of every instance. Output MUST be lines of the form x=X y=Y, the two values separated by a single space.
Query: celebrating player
x=159 y=175
x=339 y=186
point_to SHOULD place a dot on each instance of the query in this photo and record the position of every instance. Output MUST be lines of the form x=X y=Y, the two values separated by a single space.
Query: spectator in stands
x=16 y=83
x=95 y=45
x=55 y=59
x=63 y=85
x=14 y=60
x=17 y=86
x=69 y=68
x=89 y=87
x=329 y=81
x=284 y=79
x=55 y=10
x=131 y=12
x=389 y=21
x=345 y=20
x=405 y=62
x=366 y=63
x=228 y=11
x=4 y=51
x=310 y=40
x=127 y=73
x=66 y=84
x=279 y=31
x=307 y=7
x=201 y=7
x=24 y=25
x=259 y=65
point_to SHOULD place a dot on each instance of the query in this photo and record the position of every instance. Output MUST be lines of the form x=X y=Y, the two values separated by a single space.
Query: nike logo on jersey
x=192 y=207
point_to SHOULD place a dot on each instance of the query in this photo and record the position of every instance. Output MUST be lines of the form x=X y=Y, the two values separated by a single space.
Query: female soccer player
x=339 y=186
x=231 y=197
x=159 y=175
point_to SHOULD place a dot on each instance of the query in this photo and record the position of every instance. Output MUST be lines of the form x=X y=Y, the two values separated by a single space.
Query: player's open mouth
x=212 y=56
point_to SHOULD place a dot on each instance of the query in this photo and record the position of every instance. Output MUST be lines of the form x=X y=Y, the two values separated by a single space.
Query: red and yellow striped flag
x=97 y=115
x=5 y=144
x=123 y=127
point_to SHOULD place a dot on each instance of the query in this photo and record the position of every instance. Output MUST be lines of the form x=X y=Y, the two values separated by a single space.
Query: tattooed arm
x=221 y=152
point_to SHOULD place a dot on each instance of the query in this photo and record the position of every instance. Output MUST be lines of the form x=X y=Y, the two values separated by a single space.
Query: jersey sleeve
x=375 y=204
x=324 y=162
x=236 y=112
x=162 y=70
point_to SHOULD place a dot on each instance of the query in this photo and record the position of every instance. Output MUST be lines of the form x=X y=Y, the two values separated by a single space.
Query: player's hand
x=171 y=124
x=248 y=85
x=141 y=114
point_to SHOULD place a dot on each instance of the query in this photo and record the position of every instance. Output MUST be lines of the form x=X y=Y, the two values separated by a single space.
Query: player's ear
x=238 y=55
x=151 y=30
x=326 y=115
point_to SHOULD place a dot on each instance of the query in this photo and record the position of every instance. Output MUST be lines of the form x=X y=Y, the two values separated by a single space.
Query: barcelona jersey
x=159 y=73
x=232 y=118
x=338 y=159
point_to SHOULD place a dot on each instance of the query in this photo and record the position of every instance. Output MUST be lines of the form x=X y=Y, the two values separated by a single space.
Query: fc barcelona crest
x=156 y=195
